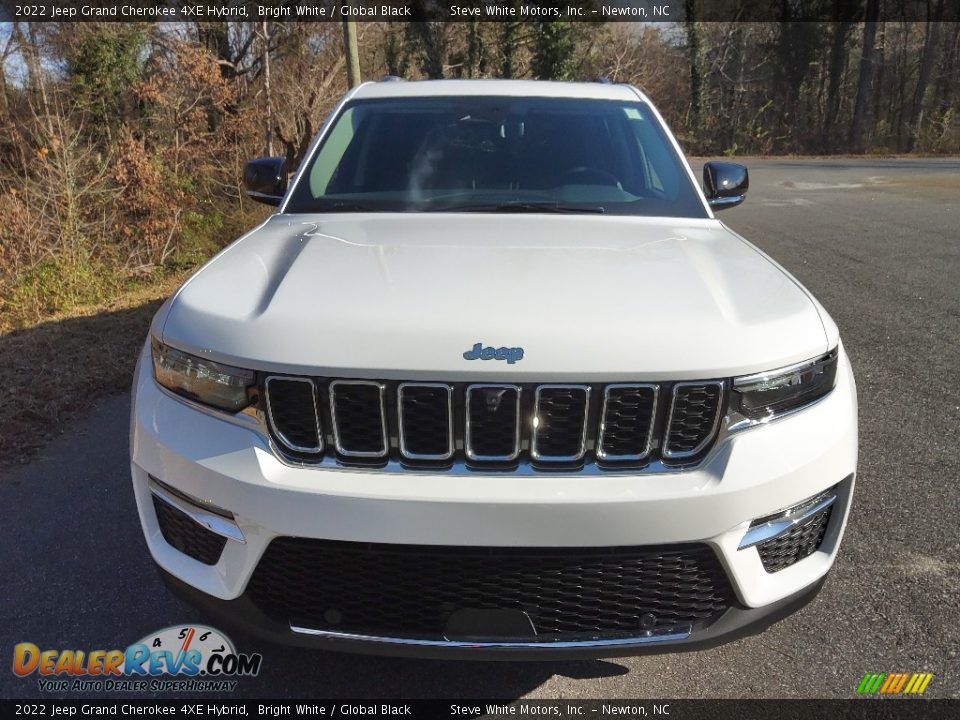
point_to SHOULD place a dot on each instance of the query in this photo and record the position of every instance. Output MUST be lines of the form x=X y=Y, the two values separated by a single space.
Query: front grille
x=626 y=425
x=560 y=423
x=799 y=542
x=292 y=406
x=359 y=420
x=498 y=426
x=412 y=590
x=426 y=421
x=694 y=414
x=493 y=422
x=186 y=535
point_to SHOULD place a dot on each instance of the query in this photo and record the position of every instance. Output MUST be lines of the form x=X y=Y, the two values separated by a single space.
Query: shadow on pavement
x=55 y=370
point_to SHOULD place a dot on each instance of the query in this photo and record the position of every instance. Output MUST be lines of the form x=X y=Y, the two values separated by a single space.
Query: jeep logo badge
x=479 y=352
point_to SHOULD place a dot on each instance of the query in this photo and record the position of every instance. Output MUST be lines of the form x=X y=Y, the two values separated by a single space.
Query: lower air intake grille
x=411 y=590
x=801 y=541
x=190 y=538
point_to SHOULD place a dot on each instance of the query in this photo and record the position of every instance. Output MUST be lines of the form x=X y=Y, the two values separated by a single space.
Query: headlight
x=205 y=381
x=767 y=395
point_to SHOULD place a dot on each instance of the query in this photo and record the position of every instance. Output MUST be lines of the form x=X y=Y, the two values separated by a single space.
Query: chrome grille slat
x=625 y=418
x=560 y=423
x=477 y=418
x=429 y=419
x=353 y=434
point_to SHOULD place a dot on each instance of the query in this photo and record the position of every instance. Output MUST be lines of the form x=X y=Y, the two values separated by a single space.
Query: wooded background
x=122 y=145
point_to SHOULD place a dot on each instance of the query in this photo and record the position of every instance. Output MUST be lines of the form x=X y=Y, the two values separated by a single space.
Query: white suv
x=493 y=382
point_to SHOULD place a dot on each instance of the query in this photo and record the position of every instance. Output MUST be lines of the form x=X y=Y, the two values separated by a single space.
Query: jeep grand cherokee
x=493 y=381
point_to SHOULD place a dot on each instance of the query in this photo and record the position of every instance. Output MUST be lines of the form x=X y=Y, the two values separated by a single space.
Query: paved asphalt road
x=877 y=241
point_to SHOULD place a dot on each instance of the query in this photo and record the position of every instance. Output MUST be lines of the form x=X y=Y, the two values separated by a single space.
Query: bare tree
x=835 y=67
x=695 y=52
x=867 y=72
x=926 y=64
x=268 y=98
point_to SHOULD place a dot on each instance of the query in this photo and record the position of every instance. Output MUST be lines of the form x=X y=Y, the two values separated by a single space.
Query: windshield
x=496 y=154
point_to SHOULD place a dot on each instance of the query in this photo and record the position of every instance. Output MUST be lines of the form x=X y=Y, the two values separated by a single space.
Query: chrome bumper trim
x=495 y=645
x=780 y=525
x=211 y=521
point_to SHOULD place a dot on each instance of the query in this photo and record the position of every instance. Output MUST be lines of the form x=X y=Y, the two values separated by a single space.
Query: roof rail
x=603 y=79
x=391 y=78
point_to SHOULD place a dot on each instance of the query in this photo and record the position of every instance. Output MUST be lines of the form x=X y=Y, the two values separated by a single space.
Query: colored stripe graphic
x=870 y=683
x=894 y=683
x=890 y=682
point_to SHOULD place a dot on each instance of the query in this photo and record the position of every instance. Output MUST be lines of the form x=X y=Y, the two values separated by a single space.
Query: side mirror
x=725 y=184
x=266 y=179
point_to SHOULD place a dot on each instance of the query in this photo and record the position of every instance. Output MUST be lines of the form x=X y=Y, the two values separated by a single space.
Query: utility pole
x=350 y=49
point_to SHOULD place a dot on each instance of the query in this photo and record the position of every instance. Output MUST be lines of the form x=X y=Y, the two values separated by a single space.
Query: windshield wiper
x=520 y=207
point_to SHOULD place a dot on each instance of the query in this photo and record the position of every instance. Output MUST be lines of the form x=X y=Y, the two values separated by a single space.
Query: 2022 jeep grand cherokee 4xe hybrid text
x=493 y=382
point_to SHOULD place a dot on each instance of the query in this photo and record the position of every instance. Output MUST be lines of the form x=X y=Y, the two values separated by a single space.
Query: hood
x=404 y=296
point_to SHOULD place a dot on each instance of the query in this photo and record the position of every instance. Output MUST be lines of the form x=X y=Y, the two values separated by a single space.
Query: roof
x=512 y=88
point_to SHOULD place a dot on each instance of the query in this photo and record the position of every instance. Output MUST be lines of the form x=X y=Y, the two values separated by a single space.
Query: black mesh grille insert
x=187 y=536
x=800 y=542
x=358 y=418
x=559 y=422
x=425 y=421
x=293 y=413
x=493 y=416
x=693 y=420
x=627 y=422
x=411 y=590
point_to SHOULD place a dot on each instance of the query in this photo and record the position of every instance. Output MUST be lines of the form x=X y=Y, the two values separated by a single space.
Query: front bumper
x=751 y=474
x=242 y=614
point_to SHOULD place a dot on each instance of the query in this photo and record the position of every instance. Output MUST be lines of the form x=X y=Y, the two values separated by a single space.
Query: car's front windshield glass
x=496 y=154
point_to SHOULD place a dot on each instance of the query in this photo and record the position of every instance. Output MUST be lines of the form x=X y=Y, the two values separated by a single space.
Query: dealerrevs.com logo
x=192 y=658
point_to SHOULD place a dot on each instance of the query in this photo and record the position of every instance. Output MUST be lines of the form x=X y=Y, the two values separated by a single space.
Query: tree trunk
x=867 y=72
x=266 y=87
x=835 y=66
x=946 y=84
x=796 y=46
x=474 y=49
x=880 y=66
x=926 y=64
x=508 y=49
x=695 y=57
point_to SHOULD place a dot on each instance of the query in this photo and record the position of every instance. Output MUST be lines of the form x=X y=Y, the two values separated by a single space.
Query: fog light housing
x=784 y=538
